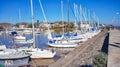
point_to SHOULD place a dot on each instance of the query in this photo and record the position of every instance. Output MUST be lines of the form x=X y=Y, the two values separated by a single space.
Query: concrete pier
x=83 y=54
x=114 y=49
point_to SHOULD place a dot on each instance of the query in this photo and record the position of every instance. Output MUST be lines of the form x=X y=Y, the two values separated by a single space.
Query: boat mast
x=62 y=22
x=89 y=16
x=93 y=19
x=77 y=16
x=85 y=19
x=19 y=16
x=81 y=22
x=97 y=22
x=84 y=15
x=75 y=12
x=68 y=18
x=19 y=13
x=46 y=24
x=62 y=15
x=32 y=16
x=89 y=20
x=43 y=13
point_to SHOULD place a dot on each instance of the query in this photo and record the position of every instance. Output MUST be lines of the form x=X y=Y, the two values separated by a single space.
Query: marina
x=61 y=52
x=60 y=33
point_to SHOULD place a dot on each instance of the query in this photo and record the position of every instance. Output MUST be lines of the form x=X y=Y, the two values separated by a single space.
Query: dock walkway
x=114 y=49
x=80 y=53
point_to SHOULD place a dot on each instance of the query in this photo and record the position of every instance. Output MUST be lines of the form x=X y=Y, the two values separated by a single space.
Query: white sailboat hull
x=39 y=53
x=42 y=54
x=13 y=58
x=63 y=45
x=27 y=31
x=22 y=40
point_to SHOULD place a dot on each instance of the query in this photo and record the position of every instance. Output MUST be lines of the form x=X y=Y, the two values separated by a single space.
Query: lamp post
x=117 y=19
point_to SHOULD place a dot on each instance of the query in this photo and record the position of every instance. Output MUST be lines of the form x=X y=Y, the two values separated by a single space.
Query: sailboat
x=37 y=52
x=94 y=30
x=13 y=57
x=83 y=32
x=63 y=42
x=27 y=31
x=20 y=39
x=77 y=35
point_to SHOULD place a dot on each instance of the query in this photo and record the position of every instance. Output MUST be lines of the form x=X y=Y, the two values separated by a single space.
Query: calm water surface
x=41 y=42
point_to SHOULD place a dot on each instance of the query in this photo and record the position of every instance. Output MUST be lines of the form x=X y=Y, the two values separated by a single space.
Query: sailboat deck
x=13 y=55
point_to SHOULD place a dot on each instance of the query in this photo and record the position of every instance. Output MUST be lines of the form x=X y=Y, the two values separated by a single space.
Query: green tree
x=29 y=26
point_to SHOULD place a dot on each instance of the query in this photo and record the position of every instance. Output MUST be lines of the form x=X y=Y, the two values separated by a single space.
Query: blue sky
x=104 y=9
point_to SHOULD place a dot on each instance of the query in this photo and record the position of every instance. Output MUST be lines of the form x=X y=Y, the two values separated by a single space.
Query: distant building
x=57 y=24
x=23 y=25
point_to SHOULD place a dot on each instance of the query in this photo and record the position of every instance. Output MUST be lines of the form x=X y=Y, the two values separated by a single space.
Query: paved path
x=114 y=49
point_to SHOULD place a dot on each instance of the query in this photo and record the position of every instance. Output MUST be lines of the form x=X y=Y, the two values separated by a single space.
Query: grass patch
x=100 y=60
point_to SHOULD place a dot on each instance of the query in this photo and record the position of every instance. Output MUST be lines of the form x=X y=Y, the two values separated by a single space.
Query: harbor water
x=41 y=42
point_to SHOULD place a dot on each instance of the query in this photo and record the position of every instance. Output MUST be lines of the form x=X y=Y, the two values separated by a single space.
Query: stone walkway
x=114 y=49
x=81 y=54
